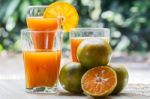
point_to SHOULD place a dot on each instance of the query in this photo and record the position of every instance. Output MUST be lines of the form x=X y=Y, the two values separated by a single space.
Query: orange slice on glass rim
x=66 y=13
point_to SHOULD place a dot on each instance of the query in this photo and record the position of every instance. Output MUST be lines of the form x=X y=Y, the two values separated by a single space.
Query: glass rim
x=38 y=31
x=31 y=7
x=101 y=32
x=89 y=29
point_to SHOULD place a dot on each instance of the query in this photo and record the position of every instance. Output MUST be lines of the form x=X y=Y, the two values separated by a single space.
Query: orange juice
x=41 y=68
x=75 y=42
x=45 y=29
x=74 y=45
x=42 y=24
x=43 y=40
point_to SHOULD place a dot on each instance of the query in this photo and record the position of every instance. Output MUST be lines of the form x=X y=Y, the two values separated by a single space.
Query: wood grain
x=15 y=89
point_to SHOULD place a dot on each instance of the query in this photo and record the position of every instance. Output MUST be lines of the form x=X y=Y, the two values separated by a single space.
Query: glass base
x=50 y=90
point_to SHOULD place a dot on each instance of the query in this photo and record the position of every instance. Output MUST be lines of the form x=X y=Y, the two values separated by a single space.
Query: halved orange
x=65 y=12
x=99 y=81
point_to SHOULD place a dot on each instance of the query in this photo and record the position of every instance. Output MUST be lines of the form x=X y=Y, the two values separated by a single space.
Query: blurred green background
x=128 y=20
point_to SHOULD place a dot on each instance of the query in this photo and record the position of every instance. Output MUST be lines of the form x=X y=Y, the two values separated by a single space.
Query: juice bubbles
x=43 y=39
x=75 y=42
x=41 y=68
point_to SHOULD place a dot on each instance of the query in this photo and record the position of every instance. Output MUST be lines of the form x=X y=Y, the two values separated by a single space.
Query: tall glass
x=36 y=22
x=77 y=35
x=41 y=62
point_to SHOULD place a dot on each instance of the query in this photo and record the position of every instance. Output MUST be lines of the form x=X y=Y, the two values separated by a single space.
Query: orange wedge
x=65 y=12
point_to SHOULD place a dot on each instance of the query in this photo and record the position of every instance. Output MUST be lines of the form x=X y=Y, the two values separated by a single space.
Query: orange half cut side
x=99 y=81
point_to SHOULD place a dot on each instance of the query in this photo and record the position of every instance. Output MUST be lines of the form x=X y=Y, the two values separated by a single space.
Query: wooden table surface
x=14 y=89
x=12 y=84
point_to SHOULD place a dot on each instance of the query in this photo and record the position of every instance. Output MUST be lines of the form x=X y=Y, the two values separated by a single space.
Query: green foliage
x=12 y=20
x=128 y=20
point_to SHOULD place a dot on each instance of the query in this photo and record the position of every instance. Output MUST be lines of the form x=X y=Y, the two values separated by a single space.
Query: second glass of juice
x=41 y=65
x=77 y=35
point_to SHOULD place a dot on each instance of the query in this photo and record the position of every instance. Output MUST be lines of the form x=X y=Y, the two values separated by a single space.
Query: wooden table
x=12 y=84
x=14 y=89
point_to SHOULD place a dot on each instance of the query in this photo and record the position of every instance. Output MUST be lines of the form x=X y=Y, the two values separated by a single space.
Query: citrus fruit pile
x=92 y=74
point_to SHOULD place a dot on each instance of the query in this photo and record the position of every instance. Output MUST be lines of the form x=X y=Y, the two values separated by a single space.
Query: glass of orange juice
x=41 y=62
x=36 y=22
x=77 y=35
